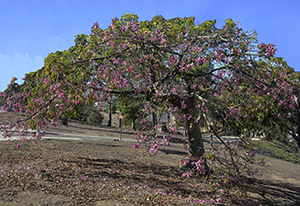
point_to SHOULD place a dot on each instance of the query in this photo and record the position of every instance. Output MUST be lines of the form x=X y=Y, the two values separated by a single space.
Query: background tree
x=111 y=101
x=131 y=109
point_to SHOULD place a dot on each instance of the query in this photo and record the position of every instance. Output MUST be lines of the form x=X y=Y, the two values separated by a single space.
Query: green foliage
x=131 y=109
x=80 y=112
x=114 y=108
x=279 y=149
x=81 y=39
x=129 y=17
x=261 y=107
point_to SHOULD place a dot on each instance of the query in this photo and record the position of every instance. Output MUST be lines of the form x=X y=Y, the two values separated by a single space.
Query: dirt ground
x=107 y=172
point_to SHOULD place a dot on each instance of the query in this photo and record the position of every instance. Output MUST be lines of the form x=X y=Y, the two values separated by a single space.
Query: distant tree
x=131 y=109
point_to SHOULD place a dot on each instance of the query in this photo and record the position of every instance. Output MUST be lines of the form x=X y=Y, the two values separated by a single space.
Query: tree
x=170 y=65
x=131 y=109
x=11 y=91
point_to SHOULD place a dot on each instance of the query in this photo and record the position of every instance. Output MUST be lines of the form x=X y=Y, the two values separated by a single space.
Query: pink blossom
x=135 y=145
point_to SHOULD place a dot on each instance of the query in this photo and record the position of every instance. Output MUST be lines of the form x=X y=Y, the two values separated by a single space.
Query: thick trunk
x=133 y=125
x=196 y=146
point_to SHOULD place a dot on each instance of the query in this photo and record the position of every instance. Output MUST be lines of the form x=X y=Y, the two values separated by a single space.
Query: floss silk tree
x=192 y=71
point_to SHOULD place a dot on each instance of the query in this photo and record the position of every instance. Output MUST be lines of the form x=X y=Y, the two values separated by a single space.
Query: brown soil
x=107 y=172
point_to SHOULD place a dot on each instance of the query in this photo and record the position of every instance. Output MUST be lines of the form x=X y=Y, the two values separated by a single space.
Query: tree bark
x=196 y=145
x=133 y=125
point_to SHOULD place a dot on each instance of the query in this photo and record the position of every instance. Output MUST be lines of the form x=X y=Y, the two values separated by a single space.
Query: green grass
x=279 y=149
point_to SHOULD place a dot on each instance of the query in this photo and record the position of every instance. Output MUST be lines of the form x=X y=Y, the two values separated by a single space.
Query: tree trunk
x=154 y=119
x=65 y=121
x=133 y=125
x=196 y=146
x=109 y=115
x=185 y=128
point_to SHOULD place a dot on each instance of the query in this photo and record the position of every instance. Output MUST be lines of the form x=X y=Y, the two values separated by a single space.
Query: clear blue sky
x=32 y=29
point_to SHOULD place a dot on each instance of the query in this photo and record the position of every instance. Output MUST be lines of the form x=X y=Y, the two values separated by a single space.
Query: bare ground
x=106 y=172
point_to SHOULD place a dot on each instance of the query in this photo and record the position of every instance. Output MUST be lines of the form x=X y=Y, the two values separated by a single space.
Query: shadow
x=109 y=145
x=110 y=161
x=167 y=179
x=276 y=193
x=45 y=139
x=100 y=144
x=109 y=129
x=177 y=139
x=167 y=151
x=155 y=176
x=268 y=192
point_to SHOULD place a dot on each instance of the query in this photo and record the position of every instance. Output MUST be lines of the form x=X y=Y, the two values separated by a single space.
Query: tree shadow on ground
x=104 y=145
x=176 y=152
x=105 y=129
x=275 y=192
x=155 y=176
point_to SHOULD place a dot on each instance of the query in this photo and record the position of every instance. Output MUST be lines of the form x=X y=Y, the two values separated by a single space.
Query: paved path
x=82 y=137
x=71 y=137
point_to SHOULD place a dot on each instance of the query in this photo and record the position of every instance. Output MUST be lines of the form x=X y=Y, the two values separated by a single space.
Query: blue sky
x=32 y=29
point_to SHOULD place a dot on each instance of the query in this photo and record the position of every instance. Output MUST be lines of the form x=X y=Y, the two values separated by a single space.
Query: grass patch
x=278 y=149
